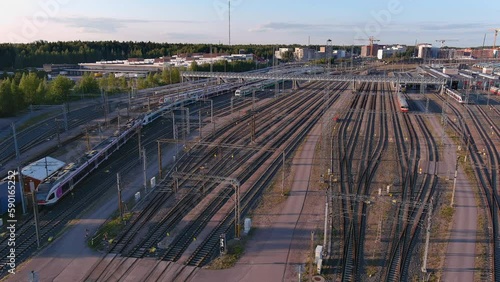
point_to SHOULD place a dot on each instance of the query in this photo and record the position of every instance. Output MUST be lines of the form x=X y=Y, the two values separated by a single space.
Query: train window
x=51 y=197
x=65 y=188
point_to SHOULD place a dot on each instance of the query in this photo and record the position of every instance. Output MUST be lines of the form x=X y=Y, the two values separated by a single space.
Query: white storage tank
x=247 y=226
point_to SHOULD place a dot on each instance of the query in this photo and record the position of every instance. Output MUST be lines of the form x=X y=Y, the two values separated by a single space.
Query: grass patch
x=108 y=232
x=371 y=270
x=235 y=249
x=447 y=213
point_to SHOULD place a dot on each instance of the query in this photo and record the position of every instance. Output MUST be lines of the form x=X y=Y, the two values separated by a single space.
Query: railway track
x=194 y=228
x=370 y=111
x=415 y=200
x=181 y=242
x=485 y=164
x=206 y=249
x=57 y=217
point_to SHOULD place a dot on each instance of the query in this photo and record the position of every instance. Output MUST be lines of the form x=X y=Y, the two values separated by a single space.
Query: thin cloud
x=282 y=26
x=108 y=25
x=451 y=26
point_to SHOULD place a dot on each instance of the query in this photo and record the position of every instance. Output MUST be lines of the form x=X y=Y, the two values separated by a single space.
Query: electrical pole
x=212 y=113
x=229 y=22
x=57 y=132
x=16 y=147
x=188 y=125
x=35 y=212
x=144 y=169
x=283 y=176
x=65 y=115
x=105 y=105
x=454 y=184
x=160 y=169
x=21 y=183
x=313 y=256
x=120 y=209
x=325 y=234
x=139 y=141
x=427 y=237
x=87 y=137
x=199 y=123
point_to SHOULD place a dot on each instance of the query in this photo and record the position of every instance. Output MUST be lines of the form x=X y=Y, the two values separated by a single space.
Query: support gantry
x=320 y=77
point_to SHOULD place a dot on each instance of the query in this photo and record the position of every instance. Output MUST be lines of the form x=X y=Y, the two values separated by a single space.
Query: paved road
x=461 y=251
x=267 y=255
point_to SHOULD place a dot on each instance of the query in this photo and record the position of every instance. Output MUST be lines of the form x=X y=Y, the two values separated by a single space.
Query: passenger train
x=56 y=186
x=455 y=95
x=495 y=90
x=403 y=104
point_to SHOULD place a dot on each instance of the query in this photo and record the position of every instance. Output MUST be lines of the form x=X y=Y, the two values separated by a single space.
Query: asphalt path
x=266 y=257
x=461 y=250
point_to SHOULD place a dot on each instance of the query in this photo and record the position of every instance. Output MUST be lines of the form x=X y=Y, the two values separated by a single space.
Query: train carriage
x=403 y=104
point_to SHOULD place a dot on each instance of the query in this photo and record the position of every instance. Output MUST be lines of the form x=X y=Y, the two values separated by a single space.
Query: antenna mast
x=229 y=22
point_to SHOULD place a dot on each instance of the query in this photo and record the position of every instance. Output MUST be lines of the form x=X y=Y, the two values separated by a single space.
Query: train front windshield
x=42 y=191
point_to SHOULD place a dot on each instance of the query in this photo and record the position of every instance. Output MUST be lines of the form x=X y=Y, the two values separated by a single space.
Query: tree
x=193 y=66
x=7 y=102
x=88 y=84
x=28 y=86
x=287 y=56
x=59 y=89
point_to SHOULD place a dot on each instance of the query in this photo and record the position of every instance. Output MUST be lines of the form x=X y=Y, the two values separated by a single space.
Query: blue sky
x=252 y=21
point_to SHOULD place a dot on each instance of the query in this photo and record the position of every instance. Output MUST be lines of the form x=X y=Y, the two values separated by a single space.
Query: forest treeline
x=19 y=56
x=30 y=87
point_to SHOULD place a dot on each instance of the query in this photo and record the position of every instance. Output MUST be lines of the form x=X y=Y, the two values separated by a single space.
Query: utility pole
x=35 y=212
x=120 y=209
x=16 y=147
x=283 y=176
x=160 y=169
x=65 y=115
x=312 y=259
x=229 y=22
x=325 y=234
x=87 y=137
x=139 y=141
x=144 y=169
x=56 y=121
x=454 y=184
x=105 y=105
x=188 y=125
x=21 y=183
x=199 y=123
x=427 y=237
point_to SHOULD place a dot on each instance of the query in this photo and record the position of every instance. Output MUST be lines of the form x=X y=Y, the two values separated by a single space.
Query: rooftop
x=42 y=168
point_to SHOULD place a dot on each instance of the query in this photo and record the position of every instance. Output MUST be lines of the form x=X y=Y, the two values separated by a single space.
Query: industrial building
x=426 y=50
x=281 y=51
x=139 y=67
x=366 y=51
x=304 y=54
x=388 y=52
